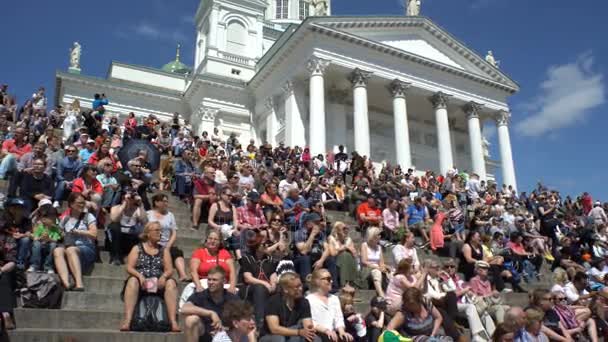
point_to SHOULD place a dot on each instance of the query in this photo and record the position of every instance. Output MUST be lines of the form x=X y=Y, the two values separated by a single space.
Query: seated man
x=287 y=316
x=312 y=249
x=12 y=151
x=294 y=207
x=203 y=309
x=250 y=216
x=25 y=165
x=36 y=185
x=67 y=170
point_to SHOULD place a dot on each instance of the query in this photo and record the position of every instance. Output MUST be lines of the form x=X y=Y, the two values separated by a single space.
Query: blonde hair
x=145 y=235
x=286 y=278
x=372 y=232
x=314 y=277
x=560 y=276
x=337 y=225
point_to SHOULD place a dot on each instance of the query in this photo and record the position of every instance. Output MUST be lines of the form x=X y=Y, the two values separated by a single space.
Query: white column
x=294 y=127
x=272 y=124
x=316 y=130
x=478 y=162
x=398 y=90
x=444 y=142
x=361 y=117
x=213 y=21
x=506 y=155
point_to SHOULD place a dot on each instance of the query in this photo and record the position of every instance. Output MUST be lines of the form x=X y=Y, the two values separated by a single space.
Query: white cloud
x=567 y=97
x=149 y=31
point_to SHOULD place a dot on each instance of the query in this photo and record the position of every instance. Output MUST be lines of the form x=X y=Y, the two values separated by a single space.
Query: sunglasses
x=328 y=279
x=559 y=299
x=450 y=266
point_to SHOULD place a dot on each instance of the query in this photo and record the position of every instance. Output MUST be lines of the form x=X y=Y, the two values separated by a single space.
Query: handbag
x=150 y=315
x=480 y=304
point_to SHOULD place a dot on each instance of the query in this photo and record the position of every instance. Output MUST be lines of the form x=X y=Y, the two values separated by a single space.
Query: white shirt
x=598 y=215
x=326 y=315
x=400 y=253
x=285 y=186
x=472 y=188
x=572 y=293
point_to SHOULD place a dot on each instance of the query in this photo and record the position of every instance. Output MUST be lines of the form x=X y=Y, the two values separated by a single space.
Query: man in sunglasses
x=67 y=170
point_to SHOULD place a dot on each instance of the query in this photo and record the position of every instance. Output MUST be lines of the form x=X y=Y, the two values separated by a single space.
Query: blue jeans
x=303 y=264
x=23 y=250
x=61 y=191
x=183 y=188
x=177 y=151
x=40 y=249
x=8 y=165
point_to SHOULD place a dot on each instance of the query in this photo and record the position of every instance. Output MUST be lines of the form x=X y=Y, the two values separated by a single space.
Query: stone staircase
x=95 y=315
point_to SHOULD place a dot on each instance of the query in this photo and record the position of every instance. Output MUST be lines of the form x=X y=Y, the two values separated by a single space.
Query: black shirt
x=277 y=306
x=551 y=321
x=31 y=186
x=203 y=300
x=259 y=268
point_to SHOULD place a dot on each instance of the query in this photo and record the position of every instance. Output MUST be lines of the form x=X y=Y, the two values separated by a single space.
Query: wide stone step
x=110 y=285
x=89 y=335
x=67 y=319
x=106 y=270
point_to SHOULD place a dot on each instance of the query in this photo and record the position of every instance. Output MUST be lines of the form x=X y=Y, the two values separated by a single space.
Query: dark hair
x=47 y=211
x=404 y=266
x=158 y=198
x=236 y=310
x=411 y=295
x=579 y=276
x=74 y=196
x=501 y=330
x=86 y=168
x=470 y=236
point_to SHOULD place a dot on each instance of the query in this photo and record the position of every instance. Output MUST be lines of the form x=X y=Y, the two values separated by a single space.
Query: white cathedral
x=394 y=88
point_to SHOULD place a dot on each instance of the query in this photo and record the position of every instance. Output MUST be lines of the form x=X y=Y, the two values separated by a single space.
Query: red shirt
x=369 y=212
x=10 y=146
x=79 y=186
x=209 y=261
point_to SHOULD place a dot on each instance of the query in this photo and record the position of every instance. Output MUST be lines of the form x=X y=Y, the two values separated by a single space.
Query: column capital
x=398 y=88
x=208 y=113
x=317 y=66
x=269 y=104
x=359 y=77
x=472 y=110
x=502 y=118
x=288 y=87
x=440 y=100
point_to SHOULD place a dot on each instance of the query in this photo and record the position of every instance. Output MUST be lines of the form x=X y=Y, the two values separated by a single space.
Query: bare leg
x=171 y=301
x=130 y=298
x=180 y=265
x=377 y=280
x=74 y=264
x=592 y=330
x=61 y=266
x=196 y=212
x=194 y=328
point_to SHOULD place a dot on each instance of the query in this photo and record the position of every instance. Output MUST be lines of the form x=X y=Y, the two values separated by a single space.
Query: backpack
x=41 y=291
x=150 y=315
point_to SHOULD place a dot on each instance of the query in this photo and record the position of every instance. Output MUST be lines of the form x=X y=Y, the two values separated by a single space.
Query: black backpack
x=150 y=315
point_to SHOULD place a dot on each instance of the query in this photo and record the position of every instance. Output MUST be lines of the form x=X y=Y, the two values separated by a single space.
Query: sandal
x=78 y=289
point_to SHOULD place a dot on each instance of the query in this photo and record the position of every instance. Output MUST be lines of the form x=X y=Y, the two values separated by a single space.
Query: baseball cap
x=253 y=196
x=253 y=237
x=311 y=217
x=90 y=141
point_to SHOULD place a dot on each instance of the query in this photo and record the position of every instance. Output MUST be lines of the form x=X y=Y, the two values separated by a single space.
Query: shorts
x=459 y=227
x=88 y=256
x=176 y=253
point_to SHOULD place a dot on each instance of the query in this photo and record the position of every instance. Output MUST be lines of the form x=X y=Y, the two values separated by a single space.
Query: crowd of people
x=440 y=251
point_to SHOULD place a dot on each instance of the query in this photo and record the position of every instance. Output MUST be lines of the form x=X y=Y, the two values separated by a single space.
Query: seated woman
x=343 y=248
x=238 y=321
x=372 y=260
x=211 y=255
x=161 y=214
x=418 y=318
x=150 y=268
x=223 y=217
x=276 y=239
x=271 y=201
x=90 y=188
x=78 y=252
x=325 y=309
x=406 y=250
x=103 y=152
x=126 y=222
x=403 y=278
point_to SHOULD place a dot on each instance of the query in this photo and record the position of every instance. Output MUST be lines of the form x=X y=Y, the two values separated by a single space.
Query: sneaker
x=549 y=256
x=506 y=290
x=31 y=269
x=56 y=205
x=50 y=271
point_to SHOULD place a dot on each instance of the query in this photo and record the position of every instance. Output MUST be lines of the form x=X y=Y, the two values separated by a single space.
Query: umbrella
x=131 y=148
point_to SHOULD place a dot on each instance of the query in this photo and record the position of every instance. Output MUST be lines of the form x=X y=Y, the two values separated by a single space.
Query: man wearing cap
x=258 y=271
x=251 y=216
x=294 y=207
x=312 y=250
x=482 y=287
x=18 y=224
x=597 y=215
x=88 y=150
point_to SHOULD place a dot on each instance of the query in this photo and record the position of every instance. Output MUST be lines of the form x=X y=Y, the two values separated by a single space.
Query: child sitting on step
x=46 y=237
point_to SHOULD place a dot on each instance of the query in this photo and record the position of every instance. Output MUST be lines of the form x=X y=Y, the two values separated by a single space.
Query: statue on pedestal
x=485 y=145
x=321 y=7
x=413 y=8
x=75 y=52
x=490 y=59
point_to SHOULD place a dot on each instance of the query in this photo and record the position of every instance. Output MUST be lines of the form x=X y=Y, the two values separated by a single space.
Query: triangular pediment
x=419 y=37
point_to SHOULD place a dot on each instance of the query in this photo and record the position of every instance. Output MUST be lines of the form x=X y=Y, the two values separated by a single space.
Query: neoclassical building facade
x=393 y=88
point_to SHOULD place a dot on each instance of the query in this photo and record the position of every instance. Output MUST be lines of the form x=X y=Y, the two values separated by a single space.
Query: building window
x=282 y=7
x=236 y=38
x=304 y=9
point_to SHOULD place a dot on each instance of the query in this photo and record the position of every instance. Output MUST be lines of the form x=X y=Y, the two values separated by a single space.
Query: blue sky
x=554 y=49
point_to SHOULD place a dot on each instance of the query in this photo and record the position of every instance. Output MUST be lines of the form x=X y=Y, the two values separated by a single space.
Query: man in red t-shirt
x=12 y=150
x=368 y=213
x=203 y=194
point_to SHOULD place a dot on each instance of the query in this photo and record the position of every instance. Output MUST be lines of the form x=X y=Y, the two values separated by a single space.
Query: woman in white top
x=372 y=260
x=325 y=308
x=406 y=250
